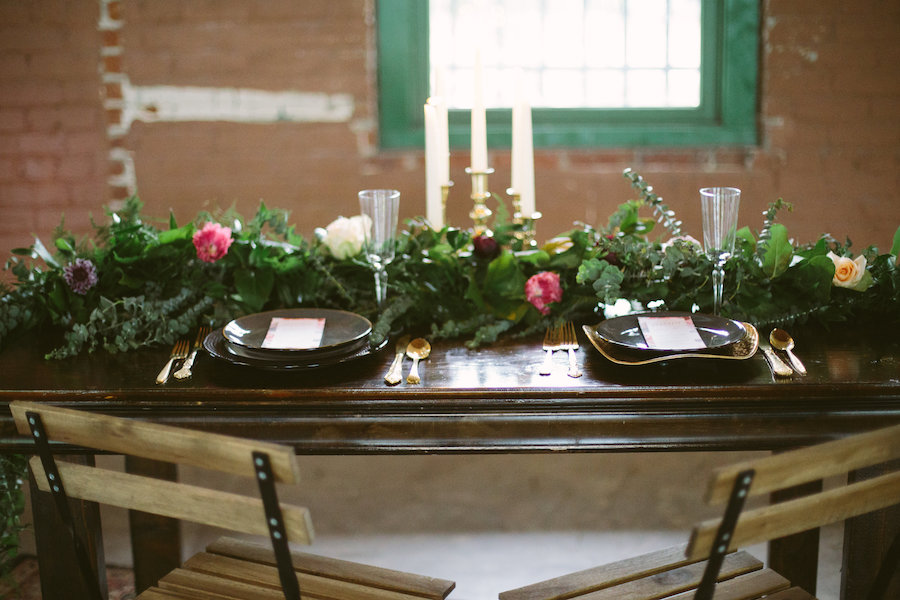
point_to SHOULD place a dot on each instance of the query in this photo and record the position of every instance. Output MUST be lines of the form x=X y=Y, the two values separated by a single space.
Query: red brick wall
x=52 y=140
x=829 y=121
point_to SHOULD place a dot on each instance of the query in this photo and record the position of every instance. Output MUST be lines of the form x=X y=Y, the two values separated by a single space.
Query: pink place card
x=670 y=333
x=294 y=334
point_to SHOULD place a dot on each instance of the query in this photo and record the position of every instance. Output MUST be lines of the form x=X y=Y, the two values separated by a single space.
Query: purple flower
x=80 y=275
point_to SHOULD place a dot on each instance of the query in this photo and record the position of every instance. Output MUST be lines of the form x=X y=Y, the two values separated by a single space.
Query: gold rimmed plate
x=714 y=332
x=742 y=349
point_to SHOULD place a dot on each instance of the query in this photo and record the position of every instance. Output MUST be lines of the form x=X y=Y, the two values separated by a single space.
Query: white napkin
x=294 y=334
x=670 y=333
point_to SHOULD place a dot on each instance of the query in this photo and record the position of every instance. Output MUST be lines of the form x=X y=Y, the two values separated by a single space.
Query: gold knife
x=395 y=373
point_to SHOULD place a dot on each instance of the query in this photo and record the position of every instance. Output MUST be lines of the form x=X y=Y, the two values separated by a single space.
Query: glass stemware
x=720 y=211
x=382 y=208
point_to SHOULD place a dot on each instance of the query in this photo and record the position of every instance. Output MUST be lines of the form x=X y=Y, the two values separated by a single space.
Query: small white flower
x=344 y=237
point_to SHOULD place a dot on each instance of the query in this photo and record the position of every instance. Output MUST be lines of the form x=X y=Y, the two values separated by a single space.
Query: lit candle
x=433 y=183
x=522 y=160
x=479 y=127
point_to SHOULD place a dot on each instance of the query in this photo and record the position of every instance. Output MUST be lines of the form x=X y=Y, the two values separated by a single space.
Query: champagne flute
x=381 y=208
x=720 y=211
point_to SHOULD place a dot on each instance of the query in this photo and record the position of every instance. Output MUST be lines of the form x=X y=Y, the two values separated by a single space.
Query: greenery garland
x=150 y=286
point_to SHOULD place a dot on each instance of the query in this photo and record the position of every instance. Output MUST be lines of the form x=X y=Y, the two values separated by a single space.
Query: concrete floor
x=493 y=522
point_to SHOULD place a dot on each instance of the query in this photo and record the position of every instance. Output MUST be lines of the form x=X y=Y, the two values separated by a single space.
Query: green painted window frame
x=727 y=115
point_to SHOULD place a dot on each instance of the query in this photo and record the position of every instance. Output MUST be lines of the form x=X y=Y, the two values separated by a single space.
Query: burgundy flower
x=80 y=275
x=485 y=247
x=212 y=242
x=542 y=289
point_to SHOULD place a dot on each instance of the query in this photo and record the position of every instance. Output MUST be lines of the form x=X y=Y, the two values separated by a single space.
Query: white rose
x=684 y=238
x=344 y=237
x=847 y=272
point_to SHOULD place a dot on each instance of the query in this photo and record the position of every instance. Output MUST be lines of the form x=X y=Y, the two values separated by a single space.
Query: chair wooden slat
x=175 y=500
x=749 y=586
x=155 y=593
x=332 y=568
x=789 y=469
x=595 y=578
x=156 y=441
x=675 y=581
x=186 y=581
x=263 y=575
x=801 y=514
x=793 y=593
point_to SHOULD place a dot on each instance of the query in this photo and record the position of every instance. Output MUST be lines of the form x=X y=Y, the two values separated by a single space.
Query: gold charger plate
x=742 y=349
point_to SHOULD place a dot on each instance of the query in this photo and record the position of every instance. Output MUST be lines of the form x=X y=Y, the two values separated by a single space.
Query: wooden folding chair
x=711 y=564
x=229 y=568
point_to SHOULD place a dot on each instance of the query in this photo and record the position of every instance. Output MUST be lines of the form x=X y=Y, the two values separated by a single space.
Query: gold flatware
x=417 y=350
x=179 y=351
x=779 y=367
x=185 y=371
x=570 y=343
x=395 y=373
x=782 y=340
x=552 y=343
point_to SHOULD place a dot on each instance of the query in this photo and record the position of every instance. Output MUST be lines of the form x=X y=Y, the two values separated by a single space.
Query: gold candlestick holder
x=445 y=191
x=526 y=230
x=480 y=212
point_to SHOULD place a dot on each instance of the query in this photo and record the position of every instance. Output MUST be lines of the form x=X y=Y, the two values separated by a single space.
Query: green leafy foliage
x=12 y=503
x=152 y=288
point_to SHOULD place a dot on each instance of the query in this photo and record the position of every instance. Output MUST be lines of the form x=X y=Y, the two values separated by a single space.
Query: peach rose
x=847 y=272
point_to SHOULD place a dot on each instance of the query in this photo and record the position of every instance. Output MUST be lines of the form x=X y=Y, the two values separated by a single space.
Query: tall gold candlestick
x=480 y=212
x=445 y=191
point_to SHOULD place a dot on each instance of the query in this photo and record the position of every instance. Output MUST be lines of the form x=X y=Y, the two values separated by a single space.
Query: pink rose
x=212 y=242
x=542 y=289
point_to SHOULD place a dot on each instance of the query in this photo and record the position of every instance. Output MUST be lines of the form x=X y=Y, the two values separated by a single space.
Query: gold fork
x=185 y=371
x=179 y=351
x=570 y=342
x=552 y=343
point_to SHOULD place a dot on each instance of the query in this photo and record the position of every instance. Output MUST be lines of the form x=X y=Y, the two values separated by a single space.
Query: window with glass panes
x=597 y=73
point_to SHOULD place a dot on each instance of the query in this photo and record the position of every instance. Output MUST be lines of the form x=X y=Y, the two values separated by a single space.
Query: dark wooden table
x=494 y=400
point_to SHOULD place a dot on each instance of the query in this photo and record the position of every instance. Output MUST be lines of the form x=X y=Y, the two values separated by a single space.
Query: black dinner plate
x=715 y=332
x=218 y=347
x=342 y=330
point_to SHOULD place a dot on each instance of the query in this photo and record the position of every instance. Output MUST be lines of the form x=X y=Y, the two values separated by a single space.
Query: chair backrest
x=735 y=483
x=235 y=512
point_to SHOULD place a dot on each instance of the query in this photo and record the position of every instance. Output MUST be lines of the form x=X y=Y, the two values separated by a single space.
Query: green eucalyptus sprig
x=664 y=214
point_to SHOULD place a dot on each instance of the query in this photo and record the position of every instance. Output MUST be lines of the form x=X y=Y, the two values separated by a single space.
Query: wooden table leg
x=58 y=566
x=867 y=539
x=155 y=540
x=796 y=557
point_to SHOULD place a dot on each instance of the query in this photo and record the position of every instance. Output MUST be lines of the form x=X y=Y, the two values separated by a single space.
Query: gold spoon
x=417 y=350
x=782 y=340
